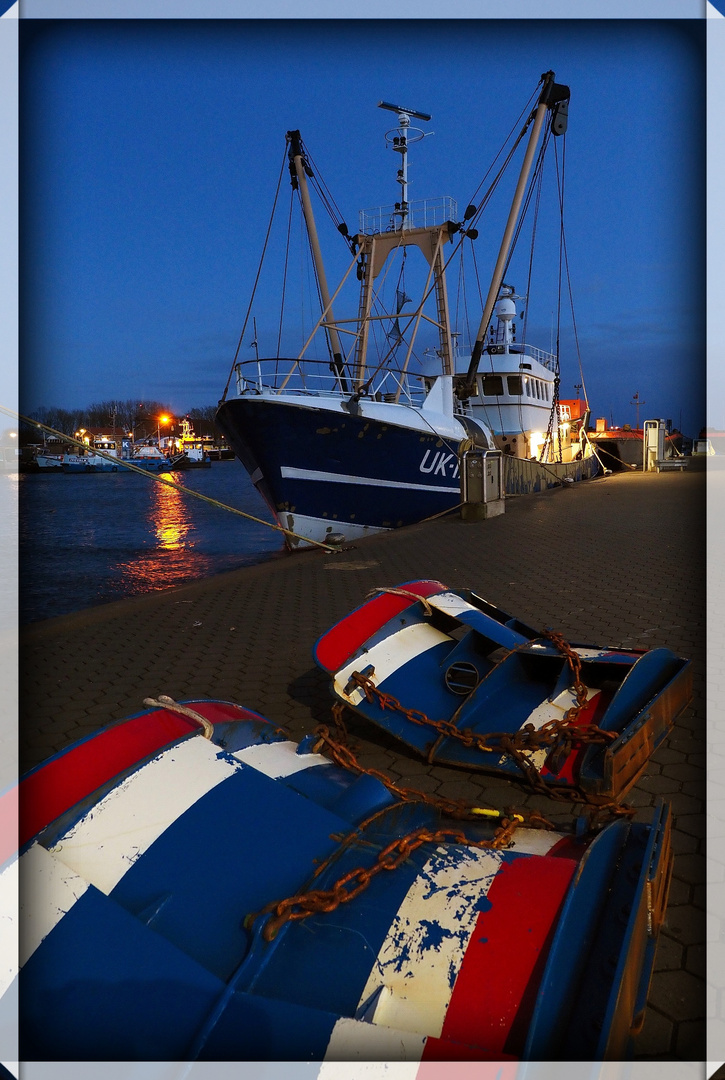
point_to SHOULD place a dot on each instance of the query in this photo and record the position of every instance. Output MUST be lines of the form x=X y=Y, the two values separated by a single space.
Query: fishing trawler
x=369 y=435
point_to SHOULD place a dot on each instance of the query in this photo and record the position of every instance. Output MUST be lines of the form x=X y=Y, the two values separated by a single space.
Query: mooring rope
x=168 y=703
x=160 y=480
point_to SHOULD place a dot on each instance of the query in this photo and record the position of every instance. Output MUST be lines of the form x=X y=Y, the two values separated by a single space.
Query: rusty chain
x=350 y=885
x=557 y=736
x=341 y=753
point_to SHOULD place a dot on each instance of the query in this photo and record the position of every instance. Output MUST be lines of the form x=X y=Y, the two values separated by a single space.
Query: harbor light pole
x=161 y=420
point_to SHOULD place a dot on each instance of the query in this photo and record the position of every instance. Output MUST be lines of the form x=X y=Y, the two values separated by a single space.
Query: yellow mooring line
x=159 y=479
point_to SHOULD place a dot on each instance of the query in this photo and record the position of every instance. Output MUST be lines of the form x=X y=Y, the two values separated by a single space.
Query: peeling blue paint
x=452 y=973
x=434 y=934
x=482 y=903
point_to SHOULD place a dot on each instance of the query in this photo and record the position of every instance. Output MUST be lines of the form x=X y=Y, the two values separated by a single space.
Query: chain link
x=561 y=735
x=350 y=885
x=558 y=736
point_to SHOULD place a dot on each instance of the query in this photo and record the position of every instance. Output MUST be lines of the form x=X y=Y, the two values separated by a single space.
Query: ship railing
x=315 y=378
x=546 y=359
x=420 y=214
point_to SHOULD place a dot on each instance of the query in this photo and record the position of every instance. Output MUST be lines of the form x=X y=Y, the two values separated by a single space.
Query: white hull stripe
x=389 y=655
x=318 y=529
x=411 y=983
x=535 y=841
x=279 y=759
x=451 y=604
x=355 y=1041
x=290 y=473
x=551 y=709
x=105 y=843
x=50 y=890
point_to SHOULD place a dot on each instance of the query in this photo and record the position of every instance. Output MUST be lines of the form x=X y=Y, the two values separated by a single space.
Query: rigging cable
x=284 y=276
x=494 y=183
x=537 y=180
x=256 y=280
x=327 y=199
x=557 y=378
x=566 y=264
x=318 y=290
x=490 y=355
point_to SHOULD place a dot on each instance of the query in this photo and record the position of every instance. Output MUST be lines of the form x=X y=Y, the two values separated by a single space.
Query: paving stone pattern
x=614 y=561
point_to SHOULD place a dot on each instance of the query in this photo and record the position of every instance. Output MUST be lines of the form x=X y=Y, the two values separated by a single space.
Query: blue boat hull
x=464 y=683
x=159 y=863
x=388 y=476
x=359 y=472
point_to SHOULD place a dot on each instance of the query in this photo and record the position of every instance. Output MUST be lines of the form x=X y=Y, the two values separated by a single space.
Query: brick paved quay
x=615 y=561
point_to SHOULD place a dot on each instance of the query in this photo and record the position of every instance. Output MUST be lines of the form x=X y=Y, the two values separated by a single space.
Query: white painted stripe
x=357 y=1042
x=535 y=841
x=105 y=843
x=290 y=473
x=551 y=709
x=49 y=892
x=555 y=708
x=8 y=924
x=422 y=954
x=389 y=655
x=451 y=604
x=278 y=759
x=318 y=529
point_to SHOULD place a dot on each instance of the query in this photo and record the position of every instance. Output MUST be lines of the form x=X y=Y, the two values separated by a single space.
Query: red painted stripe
x=72 y=775
x=590 y=714
x=336 y=647
x=569 y=847
x=496 y=987
x=445 y=1050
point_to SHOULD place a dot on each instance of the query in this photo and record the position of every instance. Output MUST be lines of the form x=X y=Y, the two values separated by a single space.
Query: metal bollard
x=481 y=485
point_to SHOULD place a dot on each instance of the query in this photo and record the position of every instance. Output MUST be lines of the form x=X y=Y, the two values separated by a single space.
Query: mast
x=400 y=141
x=552 y=94
x=299 y=170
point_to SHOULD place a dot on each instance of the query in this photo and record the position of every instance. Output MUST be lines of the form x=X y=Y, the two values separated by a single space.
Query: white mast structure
x=400 y=139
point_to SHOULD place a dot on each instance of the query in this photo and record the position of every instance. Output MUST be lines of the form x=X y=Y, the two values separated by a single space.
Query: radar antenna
x=400 y=138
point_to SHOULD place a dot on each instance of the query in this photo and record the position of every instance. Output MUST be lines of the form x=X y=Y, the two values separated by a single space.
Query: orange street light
x=161 y=420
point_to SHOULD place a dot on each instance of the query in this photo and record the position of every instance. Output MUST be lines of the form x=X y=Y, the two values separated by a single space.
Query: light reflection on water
x=86 y=539
x=172 y=519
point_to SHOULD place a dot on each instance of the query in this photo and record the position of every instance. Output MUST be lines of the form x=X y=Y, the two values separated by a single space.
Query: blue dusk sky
x=150 y=154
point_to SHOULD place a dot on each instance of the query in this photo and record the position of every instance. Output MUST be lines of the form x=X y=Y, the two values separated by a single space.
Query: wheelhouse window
x=492 y=385
x=514 y=385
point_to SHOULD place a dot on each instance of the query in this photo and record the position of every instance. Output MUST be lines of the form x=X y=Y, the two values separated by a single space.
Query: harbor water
x=87 y=539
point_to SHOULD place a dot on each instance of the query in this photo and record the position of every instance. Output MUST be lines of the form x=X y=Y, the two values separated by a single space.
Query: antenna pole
x=400 y=143
x=401 y=146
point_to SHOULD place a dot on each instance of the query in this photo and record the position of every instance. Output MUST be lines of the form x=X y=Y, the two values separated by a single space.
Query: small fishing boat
x=41 y=461
x=90 y=460
x=192 y=449
x=369 y=433
x=464 y=683
x=150 y=459
x=198 y=887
